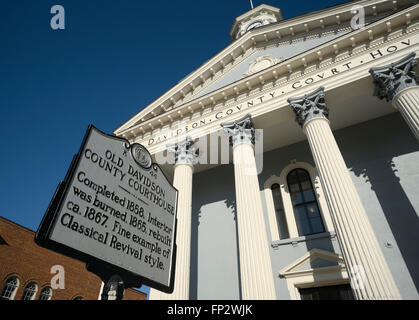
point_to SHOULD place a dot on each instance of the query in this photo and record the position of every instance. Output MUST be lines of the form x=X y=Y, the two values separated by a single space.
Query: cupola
x=255 y=18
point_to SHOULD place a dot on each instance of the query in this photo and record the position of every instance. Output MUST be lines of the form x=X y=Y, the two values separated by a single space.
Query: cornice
x=167 y=107
x=261 y=46
x=279 y=102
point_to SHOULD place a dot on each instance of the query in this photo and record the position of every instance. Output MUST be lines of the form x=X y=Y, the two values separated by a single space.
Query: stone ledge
x=294 y=241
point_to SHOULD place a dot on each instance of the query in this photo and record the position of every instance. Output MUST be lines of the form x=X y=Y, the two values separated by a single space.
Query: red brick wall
x=20 y=256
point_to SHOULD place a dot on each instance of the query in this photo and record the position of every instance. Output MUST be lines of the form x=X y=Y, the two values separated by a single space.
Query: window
x=254 y=25
x=9 y=289
x=280 y=212
x=306 y=209
x=296 y=194
x=30 y=291
x=342 y=292
x=78 y=298
x=46 y=294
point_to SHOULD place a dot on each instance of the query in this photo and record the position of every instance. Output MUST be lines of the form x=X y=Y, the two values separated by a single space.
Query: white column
x=257 y=281
x=368 y=270
x=407 y=102
x=185 y=157
x=398 y=83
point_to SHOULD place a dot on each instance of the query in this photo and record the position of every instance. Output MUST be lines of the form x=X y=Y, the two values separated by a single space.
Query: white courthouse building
x=296 y=157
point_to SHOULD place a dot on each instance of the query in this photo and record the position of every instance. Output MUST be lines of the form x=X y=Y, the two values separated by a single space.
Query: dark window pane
x=275 y=186
x=340 y=292
x=302 y=175
x=306 y=185
x=292 y=177
x=294 y=188
x=280 y=213
x=308 y=196
x=303 y=223
x=297 y=198
x=45 y=294
x=29 y=292
x=304 y=200
x=9 y=288
x=316 y=225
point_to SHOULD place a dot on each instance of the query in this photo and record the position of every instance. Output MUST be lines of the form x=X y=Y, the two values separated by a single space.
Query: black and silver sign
x=115 y=208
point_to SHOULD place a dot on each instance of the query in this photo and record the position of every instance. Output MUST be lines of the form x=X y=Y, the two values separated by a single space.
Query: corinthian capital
x=309 y=106
x=185 y=152
x=240 y=131
x=391 y=79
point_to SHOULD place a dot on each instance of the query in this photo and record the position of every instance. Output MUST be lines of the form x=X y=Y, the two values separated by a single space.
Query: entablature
x=185 y=90
x=295 y=70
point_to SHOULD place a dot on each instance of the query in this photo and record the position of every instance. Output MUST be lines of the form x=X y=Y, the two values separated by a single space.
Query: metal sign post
x=114 y=284
x=116 y=211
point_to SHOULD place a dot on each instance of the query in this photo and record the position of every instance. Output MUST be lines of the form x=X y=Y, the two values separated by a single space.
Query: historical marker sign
x=115 y=207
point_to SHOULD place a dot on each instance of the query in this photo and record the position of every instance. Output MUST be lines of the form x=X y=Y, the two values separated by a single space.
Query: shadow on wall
x=193 y=283
x=381 y=172
x=324 y=244
x=231 y=204
x=204 y=193
x=3 y=242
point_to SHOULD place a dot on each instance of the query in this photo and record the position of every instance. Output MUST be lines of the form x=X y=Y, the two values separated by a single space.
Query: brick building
x=25 y=270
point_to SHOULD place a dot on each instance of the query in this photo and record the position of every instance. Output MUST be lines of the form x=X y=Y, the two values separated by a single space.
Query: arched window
x=46 y=294
x=9 y=289
x=254 y=25
x=78 y=298
x=306 y=209
x=279 y=210
x=30 y=291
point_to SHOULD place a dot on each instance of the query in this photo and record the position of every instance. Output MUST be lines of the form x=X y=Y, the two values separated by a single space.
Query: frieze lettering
x=187 y=126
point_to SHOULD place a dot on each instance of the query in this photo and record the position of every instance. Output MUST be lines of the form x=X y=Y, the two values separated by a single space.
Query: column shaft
x=359 y=246
x=407 y=102
x=255 y=264
x=185 y=157
x=183 y=182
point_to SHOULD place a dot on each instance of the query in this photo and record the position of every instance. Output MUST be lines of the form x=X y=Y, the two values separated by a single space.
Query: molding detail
x=262 y=63
x=298 y=276
x=240 y=131
x=313 y=254
x=309 y=106
x=324 y=235
x=185 y=152
x=391 y=79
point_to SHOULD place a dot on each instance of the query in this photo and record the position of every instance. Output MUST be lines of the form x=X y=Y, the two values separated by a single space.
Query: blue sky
x=112 y=60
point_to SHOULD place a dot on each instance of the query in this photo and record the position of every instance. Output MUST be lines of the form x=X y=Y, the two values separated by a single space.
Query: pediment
x=281 y=42
x=314 y=260
x=265 y=57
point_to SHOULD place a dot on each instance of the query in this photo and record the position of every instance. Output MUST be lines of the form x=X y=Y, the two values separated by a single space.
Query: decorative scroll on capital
x=240 y=131
x=185 y=152
x=309 y=106
x=391 y=79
